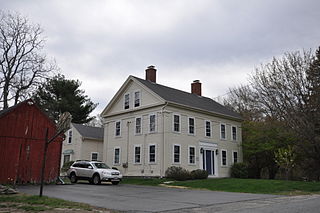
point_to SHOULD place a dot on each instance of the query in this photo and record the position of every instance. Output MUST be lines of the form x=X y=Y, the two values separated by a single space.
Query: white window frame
x=173 y=130
x=70 y=134
x=224 y=150
x=195 y=155
x=225 y=131
x=205 y=128
x=155 y=123
x=233 y=151
x=134 y=154
x=135 y=125
x=114 y=155
x=194 y=126
x=173 y=145
x=155 y=154
x=124 y=101
x=234 y=139
x=115 y=128
x=134 y=98
x=94 y=153
x=65 y=156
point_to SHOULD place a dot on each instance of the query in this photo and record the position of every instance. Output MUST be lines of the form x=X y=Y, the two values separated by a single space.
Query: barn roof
x=89 y=131
x=188 y=99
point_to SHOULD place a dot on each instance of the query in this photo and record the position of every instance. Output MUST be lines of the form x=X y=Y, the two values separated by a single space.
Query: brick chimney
x=196 y=87
x=151 y=74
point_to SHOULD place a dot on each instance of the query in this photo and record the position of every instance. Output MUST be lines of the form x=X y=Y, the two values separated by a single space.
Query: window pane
x=234 y=133
x=118 y=128
x=223 y=131
x=176 y=154
x=176 y=123
x=191 y=126
x=70 y=137
x=126 y=101
x=224 y=158
x=136 y=99
x=152 y=127
x=117 y=156
x=191 y=155
x=208 y=128
x=94 y=156
x=235 y=157
x=66 y=159
x=152 y=153
x=137 y=155
x=138 y=125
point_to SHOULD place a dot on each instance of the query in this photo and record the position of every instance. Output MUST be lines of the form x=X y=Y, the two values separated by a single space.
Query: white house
x=149 y=127
x=82 y=143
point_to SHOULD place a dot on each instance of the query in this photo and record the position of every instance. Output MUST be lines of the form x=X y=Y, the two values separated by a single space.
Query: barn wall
x=22 y=138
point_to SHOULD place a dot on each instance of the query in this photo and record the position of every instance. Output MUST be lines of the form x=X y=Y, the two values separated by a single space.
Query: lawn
x=260 y=186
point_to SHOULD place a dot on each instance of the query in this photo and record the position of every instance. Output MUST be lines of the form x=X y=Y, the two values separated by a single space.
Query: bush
x=178 y=173
x=66 y=166
x=239 y=170
x=199 y=174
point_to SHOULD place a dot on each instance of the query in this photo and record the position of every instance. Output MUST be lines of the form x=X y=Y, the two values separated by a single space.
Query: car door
x=87 y=170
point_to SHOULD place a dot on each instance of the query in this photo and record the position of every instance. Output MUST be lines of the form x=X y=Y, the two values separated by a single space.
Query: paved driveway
x=134 y=198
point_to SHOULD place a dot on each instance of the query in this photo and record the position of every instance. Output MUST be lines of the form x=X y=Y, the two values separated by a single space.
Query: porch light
x=201 y=150
x=217 y=152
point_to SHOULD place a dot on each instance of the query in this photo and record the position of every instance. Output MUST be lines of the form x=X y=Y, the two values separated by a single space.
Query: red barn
x=22 y=138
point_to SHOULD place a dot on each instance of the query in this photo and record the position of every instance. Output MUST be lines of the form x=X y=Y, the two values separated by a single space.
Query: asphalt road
x=133 y=198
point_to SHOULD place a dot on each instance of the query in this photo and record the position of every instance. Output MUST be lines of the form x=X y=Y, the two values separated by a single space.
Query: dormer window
x=126 y=101
x=137 y=99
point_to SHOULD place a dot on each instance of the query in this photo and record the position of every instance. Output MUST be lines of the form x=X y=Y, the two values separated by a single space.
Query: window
x=235 y=157
x=222 y=131
x=137 y=99
x=118 y=128
x=191 y=126
x=138 y=129
x=126 y=101
x=223 y=157
x=66 y=159
x=152 y=123
x=116 y=159
x=70 y=137
x=192 y=155
x=208 y=128
x=137 y=154
x=176 y=153
x=176 y=123
x=234 y=133
x=152 y=153
x=94 y=156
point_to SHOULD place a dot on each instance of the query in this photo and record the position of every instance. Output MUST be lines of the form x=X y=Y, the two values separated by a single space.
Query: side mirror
x=90 y=167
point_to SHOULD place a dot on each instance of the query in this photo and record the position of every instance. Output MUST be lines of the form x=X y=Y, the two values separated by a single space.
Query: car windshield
x=101 y=166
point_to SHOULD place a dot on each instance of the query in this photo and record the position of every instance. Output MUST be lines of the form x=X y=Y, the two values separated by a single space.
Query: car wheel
x=96 y=179
x=115 y=182
x=73 y=178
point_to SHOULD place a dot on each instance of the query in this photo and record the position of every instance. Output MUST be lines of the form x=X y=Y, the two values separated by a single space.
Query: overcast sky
x=102 y=42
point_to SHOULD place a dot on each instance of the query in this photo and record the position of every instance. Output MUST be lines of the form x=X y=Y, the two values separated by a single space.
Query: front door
x=208 y=161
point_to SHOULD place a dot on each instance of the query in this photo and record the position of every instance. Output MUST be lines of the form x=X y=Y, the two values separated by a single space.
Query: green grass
x=35 y=201
x=260 y=186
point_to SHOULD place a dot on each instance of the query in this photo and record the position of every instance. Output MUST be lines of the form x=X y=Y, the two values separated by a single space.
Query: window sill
x=152 y=163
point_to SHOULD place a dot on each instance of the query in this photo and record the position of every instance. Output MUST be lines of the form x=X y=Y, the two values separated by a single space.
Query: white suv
x=94 y=172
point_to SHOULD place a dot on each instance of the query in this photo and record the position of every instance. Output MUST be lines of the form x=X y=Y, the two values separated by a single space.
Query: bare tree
x=22 y=64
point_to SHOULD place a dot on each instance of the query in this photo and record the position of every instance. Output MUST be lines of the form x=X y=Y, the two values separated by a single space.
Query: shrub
x=66 y=166
x=178 y=173
x=239 y=170
x=199 y=174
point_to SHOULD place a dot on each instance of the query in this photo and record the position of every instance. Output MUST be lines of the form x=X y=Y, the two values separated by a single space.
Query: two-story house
x=149 y=127
x=82 y=143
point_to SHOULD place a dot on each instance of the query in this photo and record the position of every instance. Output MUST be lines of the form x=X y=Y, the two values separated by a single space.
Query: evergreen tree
x=59 y=95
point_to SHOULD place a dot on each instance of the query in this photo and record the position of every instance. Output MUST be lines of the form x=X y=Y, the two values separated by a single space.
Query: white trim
x=225 y=131
x=195 y=155
x=194 y=126
x=226 y=158
x=155 y=123
x=205 y=129
x=115 y=128
x=134 y=98
x=114 y=152
x=233 y=151
x=94 y=153
x=175 y=114
x=173 y=145
x=134 y=154
x=135 y=125
x=232 y=133
x=155 y=154
x=124 y=101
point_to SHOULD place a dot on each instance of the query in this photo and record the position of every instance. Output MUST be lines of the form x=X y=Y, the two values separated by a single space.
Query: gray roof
x=188 y=99
x=89 y=131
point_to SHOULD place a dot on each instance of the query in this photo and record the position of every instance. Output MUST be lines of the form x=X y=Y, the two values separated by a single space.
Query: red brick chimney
x=196 y=87
x=151 y=74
